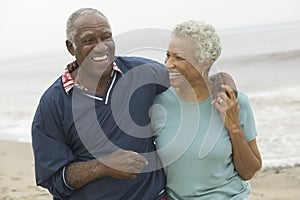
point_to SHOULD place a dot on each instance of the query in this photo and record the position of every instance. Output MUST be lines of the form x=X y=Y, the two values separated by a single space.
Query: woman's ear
x=70 y=47
x=207 y=65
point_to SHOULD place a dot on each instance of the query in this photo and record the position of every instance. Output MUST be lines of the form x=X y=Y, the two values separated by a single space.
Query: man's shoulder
x=133 y=61
x=145 y=70
x=54 y=91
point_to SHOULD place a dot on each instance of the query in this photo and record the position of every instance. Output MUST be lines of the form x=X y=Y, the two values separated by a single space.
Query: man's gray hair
x=74 y=16
x=203 y=35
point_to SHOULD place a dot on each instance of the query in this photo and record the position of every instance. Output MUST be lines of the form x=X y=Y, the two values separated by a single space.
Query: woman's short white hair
x=203 y=35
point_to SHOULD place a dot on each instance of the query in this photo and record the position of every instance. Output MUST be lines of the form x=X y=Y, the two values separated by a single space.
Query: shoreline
x=18 y=182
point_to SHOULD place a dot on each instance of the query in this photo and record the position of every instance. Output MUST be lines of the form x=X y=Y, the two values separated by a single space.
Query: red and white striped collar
x=67 y=80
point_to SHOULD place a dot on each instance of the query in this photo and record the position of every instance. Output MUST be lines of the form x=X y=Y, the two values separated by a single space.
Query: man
x=91 y=135
x=80 y=150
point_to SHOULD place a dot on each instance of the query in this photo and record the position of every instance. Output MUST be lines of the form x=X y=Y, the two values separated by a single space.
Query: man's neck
x=93 y=83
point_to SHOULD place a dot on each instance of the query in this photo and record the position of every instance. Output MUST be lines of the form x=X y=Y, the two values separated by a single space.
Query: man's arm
x=55 y=164
x=119 y=164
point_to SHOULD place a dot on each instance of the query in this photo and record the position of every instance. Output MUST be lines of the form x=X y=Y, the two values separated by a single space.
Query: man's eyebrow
x=107 y=31
x=85 y=34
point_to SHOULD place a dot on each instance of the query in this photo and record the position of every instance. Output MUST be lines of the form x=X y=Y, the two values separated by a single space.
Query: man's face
x=93 y=46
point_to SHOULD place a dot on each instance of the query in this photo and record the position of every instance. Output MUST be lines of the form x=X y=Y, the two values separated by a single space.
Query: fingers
x=220 y=105
x=221 y=102
x=138 y=158
x=229 y=91
x=221 y=99
x=124 y=164
x=132 y=161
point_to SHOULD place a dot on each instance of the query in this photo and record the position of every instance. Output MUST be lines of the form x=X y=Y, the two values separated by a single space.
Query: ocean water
x=269 y=76
x=272 y=83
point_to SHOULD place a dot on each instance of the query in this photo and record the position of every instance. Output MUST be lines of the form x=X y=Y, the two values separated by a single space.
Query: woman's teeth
x=174 y=74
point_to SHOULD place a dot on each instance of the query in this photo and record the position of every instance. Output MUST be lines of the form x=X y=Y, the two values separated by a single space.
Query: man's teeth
x=99 y=58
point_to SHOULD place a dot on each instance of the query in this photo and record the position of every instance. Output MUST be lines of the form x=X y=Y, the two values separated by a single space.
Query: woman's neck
x=195 y=92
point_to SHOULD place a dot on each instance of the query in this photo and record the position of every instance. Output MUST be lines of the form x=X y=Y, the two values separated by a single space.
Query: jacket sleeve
x=51 y=152
x=163 y=79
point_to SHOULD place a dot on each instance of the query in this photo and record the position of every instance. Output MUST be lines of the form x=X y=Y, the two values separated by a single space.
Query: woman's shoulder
x=167 y=96
x=242 y=97
x=244 y=102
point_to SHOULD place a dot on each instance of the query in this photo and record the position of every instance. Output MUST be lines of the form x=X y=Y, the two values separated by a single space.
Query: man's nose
x=100 y=45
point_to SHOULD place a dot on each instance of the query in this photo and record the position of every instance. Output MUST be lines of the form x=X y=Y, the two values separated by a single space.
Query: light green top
x=195 y=148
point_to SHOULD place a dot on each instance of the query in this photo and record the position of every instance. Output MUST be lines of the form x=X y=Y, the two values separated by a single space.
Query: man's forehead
x=88 y=19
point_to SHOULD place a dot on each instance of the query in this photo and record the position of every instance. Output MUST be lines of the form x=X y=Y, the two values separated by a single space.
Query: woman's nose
x=169 y=63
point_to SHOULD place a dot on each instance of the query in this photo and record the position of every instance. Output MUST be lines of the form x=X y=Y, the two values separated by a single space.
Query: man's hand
x=119 y=164
x=123 y=164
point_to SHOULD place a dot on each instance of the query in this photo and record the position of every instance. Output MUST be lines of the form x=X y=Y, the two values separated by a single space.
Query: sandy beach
x=17 y=177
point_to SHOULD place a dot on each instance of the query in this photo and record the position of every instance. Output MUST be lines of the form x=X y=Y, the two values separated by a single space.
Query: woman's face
x=181 y=62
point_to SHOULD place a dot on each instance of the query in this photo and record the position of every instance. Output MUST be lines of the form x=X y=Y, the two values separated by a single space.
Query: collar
x=67 y=80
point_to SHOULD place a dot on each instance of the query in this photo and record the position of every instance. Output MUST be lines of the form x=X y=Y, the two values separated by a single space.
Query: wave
x=292 y=92
x=273 y=56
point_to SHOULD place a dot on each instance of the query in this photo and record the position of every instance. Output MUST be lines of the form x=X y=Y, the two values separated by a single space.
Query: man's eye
x=108 y=37
x=89 y=41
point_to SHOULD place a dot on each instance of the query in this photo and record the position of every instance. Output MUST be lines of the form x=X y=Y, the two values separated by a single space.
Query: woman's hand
x=228 y=108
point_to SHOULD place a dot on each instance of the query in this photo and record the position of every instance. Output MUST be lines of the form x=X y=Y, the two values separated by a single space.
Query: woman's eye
x=179 y=58
x=167 y=58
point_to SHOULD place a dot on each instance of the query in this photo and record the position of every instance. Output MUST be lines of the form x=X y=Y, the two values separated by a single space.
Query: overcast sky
x=37 y=26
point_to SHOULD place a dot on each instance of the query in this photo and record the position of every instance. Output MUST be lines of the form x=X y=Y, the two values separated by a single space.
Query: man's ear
x=70 y=47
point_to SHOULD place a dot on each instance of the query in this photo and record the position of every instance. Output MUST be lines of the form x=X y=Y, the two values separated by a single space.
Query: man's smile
x=99 y=58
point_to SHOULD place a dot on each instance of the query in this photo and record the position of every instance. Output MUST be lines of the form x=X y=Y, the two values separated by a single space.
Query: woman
x=207 y=145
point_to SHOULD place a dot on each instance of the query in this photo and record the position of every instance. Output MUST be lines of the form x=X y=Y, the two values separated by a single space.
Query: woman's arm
x=246 y=156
